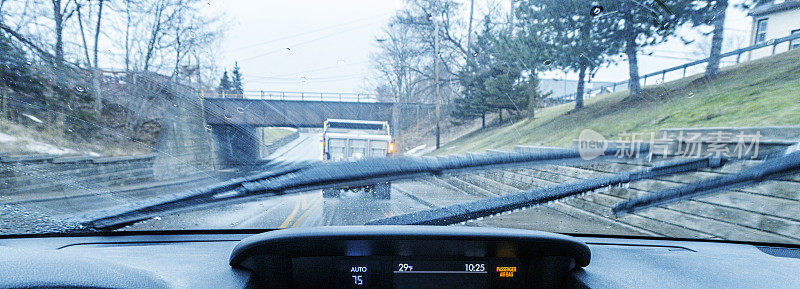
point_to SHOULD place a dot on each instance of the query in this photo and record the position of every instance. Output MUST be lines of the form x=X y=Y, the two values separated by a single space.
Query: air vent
x=781 y=251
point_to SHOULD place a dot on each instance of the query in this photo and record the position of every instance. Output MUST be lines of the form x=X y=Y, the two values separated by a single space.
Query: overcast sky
x=305 y=45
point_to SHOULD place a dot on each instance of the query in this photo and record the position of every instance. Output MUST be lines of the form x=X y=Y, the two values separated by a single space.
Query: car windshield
x=659 y=118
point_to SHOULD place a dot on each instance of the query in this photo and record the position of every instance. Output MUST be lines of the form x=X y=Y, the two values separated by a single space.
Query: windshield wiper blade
x=317 y=175
x=490 y=206
x=136 y=211
x=770 y=168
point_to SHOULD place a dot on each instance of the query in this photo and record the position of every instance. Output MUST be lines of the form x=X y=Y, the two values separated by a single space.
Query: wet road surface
x=295 y=210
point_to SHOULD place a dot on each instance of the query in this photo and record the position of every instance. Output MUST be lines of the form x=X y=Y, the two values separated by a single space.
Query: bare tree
x=394 y=62
x=62 y=12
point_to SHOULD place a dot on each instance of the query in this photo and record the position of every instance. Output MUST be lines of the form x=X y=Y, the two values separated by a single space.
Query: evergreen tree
x=643 y=24
x=576 y=36
x=224 y=84
x=493 y=80
x=236 y=83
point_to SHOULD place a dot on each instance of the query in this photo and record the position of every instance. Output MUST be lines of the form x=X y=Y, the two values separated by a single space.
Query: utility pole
x=436 y=79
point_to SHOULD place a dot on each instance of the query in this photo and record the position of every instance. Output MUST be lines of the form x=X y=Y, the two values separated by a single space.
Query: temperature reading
x=477 y=267
x=404 y=267
x=357 y=280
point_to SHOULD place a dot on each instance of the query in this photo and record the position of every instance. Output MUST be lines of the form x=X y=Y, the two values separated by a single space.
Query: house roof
x=771 y=7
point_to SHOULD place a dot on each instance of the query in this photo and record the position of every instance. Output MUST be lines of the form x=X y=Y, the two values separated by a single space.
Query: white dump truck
x=350 y=140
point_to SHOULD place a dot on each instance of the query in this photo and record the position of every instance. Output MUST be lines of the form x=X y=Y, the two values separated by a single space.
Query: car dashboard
x=388 y=257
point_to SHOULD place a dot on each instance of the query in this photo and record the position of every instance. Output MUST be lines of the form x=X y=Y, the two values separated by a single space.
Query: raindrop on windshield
x=79 y=88
x=547 y=63
x=659 y=81
x=208 y=127
x=691 y=94
x=240 y=109
x=596 y=10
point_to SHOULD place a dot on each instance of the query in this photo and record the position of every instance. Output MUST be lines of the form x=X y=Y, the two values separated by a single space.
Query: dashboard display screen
x=461 y=274
x=404 y=272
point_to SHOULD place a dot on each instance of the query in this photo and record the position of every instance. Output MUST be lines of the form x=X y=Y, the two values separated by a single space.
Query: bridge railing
x=294 y=95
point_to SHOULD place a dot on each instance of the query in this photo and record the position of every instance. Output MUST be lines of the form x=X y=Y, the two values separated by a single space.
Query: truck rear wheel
x=383 y=191
x=331 y=193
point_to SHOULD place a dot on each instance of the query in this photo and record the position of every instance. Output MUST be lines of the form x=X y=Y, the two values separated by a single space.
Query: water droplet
x=596 y=10
x=475 y=54
x=228 y=116
x=240 y=109
x=79 y=88
x=208 y=127
x=28 y=62
x=174 y=104
x=691 y=94
x=548 y=63
x=771 y=41
x=659 y=81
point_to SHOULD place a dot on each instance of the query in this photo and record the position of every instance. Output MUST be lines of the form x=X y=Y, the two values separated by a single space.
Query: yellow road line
x=290 y=218
x=305 y=214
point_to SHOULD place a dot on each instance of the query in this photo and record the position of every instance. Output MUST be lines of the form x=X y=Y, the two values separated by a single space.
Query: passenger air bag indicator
x=506 y=272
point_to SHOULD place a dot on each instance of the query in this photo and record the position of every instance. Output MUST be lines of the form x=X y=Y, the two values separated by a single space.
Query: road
x=296 y=210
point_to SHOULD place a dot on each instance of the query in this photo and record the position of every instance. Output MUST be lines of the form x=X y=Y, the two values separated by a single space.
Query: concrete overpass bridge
x=234 y=119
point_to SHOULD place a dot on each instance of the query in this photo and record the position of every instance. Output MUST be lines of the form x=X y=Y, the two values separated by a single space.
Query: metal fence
x=294 y=95
x=771 y=44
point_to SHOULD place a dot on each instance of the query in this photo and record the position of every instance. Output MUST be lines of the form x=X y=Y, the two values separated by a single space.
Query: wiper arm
x=305 y=177
x=770 y=168
x=135 y=211
x=490 y=206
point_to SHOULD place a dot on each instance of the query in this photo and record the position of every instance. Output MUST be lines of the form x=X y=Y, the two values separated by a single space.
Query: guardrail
x=294 y=95
x=613 y=86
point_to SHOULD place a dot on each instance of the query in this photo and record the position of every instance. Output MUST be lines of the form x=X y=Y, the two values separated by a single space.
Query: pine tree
x=646 y=24
x=576 y=36
x=224 y=84
x=236 y=85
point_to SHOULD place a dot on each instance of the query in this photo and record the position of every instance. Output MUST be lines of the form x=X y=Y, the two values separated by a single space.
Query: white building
x=774 y=19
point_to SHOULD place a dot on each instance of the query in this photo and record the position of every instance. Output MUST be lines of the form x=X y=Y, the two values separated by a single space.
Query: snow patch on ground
x=48 y=149
x=7 y=138
x=32 y=146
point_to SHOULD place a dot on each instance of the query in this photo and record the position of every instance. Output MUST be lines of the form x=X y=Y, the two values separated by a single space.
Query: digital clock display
x=460 y=274
x=402 y=272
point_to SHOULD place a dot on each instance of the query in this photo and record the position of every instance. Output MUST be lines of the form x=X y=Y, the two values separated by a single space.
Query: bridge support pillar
x=236 y=145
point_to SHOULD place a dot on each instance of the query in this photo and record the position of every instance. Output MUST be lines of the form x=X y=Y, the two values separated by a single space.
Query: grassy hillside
x=274 y=133
x=761 y=92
